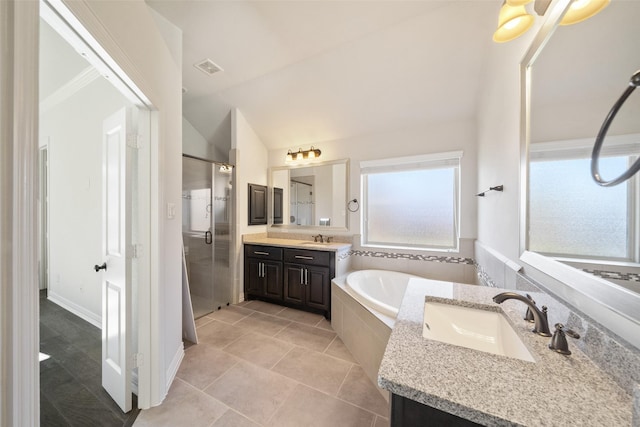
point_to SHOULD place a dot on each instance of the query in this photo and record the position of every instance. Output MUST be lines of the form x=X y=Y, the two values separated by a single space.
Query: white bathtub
x=380 y=290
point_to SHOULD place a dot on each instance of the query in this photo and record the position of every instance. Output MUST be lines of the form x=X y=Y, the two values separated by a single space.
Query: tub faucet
x=319 y=236
x=539 y=316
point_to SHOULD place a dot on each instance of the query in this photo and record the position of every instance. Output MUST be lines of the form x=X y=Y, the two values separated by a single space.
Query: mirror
x=573 y=75
x=312 y=195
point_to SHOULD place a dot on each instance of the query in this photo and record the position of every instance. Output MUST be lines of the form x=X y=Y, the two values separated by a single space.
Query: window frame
x=445 y=160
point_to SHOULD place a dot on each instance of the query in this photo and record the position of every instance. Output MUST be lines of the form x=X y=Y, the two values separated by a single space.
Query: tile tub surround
x=496 y=390
x=364 y=334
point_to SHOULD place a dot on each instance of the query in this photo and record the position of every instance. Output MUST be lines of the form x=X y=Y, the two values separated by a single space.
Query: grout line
x=332 y=341
x=280 y=360
x=217 y=379
x=283 y=400
x=343 y=381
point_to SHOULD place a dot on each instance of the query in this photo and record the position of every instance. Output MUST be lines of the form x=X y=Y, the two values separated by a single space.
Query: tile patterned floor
x=260 y=364
x=71 y=392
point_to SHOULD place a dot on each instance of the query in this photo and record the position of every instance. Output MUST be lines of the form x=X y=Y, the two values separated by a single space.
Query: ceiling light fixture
x=299 y=155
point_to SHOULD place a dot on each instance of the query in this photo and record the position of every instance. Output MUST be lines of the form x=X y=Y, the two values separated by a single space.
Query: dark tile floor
x=71 y=393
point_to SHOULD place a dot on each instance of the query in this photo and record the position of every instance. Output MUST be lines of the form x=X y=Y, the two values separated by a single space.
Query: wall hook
x=496 y=188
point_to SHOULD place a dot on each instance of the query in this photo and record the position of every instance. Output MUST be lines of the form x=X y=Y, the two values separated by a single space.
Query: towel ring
x=634 y=82
x=351 y=204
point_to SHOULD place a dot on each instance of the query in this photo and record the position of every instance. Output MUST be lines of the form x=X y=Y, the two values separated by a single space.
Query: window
x=411 y=202
x=570 y=215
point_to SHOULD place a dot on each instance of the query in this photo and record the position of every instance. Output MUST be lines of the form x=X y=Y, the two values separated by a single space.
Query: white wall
x=426 y=139
x=250 y=158
x=128 y=32
x=74 y=130
x=430 y=138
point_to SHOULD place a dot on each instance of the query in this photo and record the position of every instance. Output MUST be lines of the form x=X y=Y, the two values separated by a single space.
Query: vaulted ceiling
x=309 y=71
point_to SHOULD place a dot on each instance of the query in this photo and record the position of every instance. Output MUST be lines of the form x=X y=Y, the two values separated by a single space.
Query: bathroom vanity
x=455 y=385
x=292 y=273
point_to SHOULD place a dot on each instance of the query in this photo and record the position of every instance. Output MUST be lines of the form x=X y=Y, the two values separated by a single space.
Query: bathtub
x=380 y=290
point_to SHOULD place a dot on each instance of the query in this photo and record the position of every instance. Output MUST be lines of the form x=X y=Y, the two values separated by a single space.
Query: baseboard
x=76 y=309
x=174 y=366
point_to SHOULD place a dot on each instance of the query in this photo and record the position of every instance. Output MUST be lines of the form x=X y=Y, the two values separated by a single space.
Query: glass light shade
x=516 y=3
x=289 y=156
x=583 y=9
x=512 y=23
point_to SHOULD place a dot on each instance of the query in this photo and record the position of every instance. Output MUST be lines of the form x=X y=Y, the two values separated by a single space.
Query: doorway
x=77 y=97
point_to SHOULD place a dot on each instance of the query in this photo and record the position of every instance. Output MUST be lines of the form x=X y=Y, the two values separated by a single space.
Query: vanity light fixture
x=583 y=9
x=301 y=154
x=514 y=20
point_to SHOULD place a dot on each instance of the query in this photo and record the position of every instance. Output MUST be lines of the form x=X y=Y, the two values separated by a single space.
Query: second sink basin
x=478 y=329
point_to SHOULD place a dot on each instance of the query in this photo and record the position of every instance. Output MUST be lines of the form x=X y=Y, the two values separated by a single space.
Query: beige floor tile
x=203 y=321
x=259 y=349
x=195 y=409
x=311 y=408
x=339 y=350
x=358 y=389
x=230 y=314
x=203 y=364
x=263 y=324
x=324 y=324
x=307 y=336
x=219 y=334
x=264 y=307
x=300 y=316
x=233 y=419
x=314 y=369
x=381 y=422
x=251 y=390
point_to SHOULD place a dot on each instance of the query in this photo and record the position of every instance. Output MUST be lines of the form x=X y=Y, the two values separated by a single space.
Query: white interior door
x=117 y=361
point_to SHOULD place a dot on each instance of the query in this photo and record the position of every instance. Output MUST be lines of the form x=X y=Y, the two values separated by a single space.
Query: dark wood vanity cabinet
x=304 y=277
x=263 y=272
x=409 y=413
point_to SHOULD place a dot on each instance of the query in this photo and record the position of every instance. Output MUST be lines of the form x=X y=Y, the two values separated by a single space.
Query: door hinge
x=136 y=251
x=138 y=360
x=133 y=140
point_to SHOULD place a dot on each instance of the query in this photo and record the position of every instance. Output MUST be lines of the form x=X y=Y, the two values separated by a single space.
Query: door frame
x=19 y=318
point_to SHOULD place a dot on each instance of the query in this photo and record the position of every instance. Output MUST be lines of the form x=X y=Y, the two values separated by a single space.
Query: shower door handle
x=208 y=237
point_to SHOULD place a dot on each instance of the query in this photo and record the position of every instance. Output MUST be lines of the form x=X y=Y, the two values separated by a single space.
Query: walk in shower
x=206 y=232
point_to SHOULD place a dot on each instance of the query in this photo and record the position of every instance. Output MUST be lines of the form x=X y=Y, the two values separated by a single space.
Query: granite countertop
x=496 y=390
x=298 y=244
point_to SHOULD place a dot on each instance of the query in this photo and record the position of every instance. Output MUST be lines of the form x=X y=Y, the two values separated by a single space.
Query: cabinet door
x=257 y=204
x=273 y=279
x=253 y=281
x=318 y=287
x=293 y=284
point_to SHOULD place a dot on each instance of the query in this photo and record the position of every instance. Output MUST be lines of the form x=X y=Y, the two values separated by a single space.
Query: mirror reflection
x=312 y=195
x=577 y=78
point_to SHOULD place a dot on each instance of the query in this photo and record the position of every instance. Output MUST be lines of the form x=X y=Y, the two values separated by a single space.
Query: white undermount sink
x=478 y=329
x=315 y=243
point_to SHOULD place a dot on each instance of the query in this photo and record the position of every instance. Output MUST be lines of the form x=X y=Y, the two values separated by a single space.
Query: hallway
x=71 y=393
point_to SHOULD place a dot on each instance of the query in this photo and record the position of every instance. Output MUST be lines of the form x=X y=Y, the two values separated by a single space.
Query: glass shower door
x=206 y=215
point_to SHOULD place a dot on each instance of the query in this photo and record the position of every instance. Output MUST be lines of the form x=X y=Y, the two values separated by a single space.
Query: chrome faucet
x=319 y=236
x=539 y=316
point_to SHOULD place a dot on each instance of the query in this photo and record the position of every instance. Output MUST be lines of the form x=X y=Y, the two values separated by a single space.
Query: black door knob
x=100 y=267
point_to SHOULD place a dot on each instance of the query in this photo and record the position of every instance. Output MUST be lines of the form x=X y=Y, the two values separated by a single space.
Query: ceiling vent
x=207 y=66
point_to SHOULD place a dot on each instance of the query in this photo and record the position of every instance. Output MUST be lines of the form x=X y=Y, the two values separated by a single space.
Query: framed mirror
x=573 y=230
x=310 y=195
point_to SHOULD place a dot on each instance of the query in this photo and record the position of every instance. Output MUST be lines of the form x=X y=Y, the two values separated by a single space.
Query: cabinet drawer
x=301 y=256
x=263 y=252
